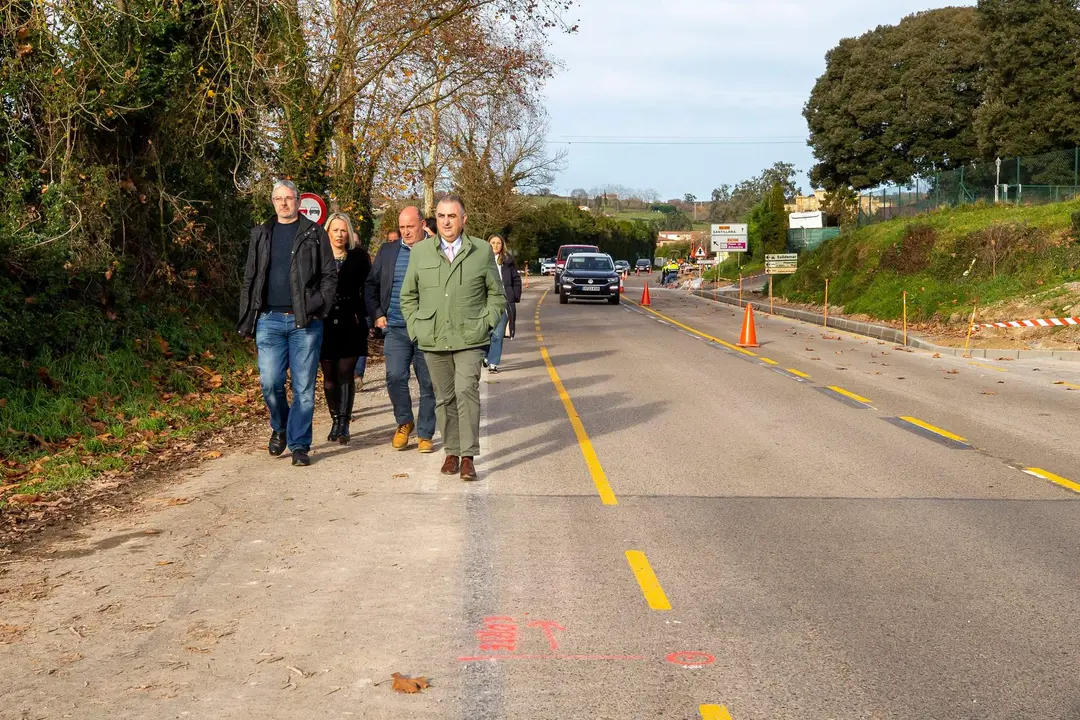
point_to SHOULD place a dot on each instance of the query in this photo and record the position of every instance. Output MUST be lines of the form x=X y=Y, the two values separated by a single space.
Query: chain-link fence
x=800 y=240
x=1050 y=177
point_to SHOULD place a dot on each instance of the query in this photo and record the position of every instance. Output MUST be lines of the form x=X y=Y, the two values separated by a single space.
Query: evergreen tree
x=1032 y=100
x=898 y=101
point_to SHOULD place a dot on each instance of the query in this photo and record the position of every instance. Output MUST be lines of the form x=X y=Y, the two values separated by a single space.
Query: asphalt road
x=665 y=527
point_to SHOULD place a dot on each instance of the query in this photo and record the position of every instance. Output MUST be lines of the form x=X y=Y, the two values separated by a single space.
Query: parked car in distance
x=547 y=266
x=566 y=251
x=589 y=276
x=622 y=266
x=643 y=265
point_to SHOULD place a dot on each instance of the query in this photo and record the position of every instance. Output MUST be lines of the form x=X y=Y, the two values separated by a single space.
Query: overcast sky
x=713 y=71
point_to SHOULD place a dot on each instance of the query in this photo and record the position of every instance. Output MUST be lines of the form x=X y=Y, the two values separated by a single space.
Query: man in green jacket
x=452 y=298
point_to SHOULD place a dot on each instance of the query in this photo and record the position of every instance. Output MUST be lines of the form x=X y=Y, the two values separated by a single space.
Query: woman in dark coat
x=345 y=329
x=512 y=285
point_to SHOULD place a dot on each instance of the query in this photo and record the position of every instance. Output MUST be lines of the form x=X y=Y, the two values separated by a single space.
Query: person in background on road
x=392 y=236
x=511 y=281
x=452 y=299
x=383 y=294
x=671 y=273
x=289 y=283
x=345 y=331
x=430 y=229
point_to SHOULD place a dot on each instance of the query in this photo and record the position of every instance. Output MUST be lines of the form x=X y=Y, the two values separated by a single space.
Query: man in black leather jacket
x=289 y=283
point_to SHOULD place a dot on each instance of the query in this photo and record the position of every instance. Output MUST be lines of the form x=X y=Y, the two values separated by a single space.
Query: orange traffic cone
x=748 y=336
x=622 y=286
x=645 y=297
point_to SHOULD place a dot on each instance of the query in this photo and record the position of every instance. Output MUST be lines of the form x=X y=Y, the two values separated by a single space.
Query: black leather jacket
x=312 y=275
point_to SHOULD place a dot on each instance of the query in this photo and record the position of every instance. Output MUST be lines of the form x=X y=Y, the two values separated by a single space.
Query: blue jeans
x=400 y=353
x=361 y=366
x=283 y=346
x=494 y=353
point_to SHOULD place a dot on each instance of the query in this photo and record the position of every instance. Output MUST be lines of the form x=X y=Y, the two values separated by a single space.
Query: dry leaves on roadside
x=212 y=455
x=409 y=685
x=23 y=499
x=399 y=476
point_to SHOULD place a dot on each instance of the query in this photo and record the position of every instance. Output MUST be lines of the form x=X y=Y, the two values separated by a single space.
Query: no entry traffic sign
x=313 y=207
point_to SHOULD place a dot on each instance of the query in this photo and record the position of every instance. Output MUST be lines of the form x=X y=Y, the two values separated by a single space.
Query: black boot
x=333 y=402
x=348 y=394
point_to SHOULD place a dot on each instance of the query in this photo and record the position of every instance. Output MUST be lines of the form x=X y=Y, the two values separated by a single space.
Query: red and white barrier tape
x=1048 y=322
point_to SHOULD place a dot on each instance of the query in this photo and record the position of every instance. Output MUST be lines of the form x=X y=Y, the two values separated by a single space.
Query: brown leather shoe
x=468 y=470
x=450 y=465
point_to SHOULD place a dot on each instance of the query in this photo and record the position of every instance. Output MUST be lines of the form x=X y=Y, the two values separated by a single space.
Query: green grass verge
x=99 y=408
x=947 y=261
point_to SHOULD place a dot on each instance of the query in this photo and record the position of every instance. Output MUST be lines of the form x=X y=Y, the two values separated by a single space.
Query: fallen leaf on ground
x=23 y=499
x=401 y=475
x=989 y=393
x=178 y=501
x=164 y=562
x=937 y=355
x=953 y=372
x=1059 y=382
x=409 y=685
x=212 y=455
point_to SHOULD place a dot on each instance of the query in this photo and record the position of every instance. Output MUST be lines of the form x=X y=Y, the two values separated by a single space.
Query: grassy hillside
x=948 y=261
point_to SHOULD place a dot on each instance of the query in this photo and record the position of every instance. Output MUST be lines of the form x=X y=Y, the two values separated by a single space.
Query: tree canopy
x=898 y=101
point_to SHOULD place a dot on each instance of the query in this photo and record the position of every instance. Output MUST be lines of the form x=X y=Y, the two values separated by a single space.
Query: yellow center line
x=646 y=578
x=1068 y=385
x=933 y=429
x=849 y=394
x=767 y=361
x=799 y=373
x=1047 y=475
x=676 y=323
x=988 y=367
x=714 y=712
x=599 y=477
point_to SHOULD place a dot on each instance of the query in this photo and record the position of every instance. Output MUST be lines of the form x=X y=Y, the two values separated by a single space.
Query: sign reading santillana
x=729 y=238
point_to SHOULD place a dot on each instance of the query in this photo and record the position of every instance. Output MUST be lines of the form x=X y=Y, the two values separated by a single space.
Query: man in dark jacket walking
x=383 y=300
x=289 y=284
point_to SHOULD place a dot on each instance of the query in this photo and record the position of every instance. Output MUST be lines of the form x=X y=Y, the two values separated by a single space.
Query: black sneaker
x=276 y=446
x=485 y=362
x=300 y=457
x=493 y=369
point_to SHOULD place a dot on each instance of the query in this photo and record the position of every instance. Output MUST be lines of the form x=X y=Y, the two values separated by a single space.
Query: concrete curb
x=882 y=332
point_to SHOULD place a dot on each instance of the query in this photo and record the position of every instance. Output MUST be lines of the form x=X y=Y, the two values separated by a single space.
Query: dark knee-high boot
x=345 y=408
x=333 y=404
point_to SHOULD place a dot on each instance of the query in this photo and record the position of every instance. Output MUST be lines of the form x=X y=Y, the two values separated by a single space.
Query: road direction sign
x=729 y=238
x=781 y=264
x=313 y=207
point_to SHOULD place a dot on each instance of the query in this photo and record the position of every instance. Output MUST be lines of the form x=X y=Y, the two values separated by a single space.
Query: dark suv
x=589 y=276
x=643 y=265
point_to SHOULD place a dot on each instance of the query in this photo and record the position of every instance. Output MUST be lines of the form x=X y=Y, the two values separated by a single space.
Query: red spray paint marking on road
x=499 y=633
x=548 y=627
x=498 y=641
x=692 y=660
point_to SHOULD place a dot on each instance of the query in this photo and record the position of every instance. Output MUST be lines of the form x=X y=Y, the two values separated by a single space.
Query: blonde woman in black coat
x=345 y=330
